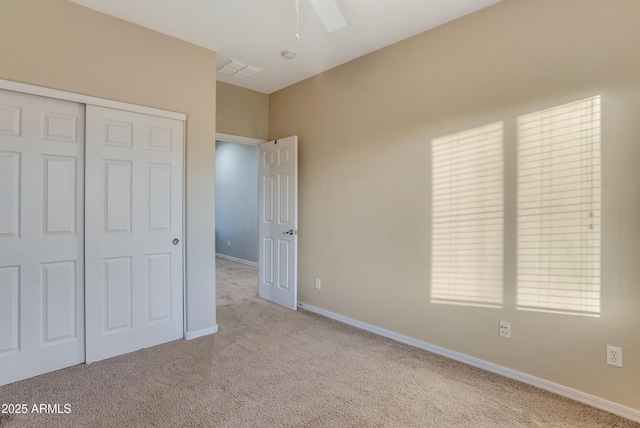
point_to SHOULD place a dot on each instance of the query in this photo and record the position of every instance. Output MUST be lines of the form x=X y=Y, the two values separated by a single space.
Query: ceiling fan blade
x=329 y=14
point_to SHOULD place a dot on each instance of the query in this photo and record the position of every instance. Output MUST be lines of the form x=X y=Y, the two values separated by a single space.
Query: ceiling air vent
x=235 y=68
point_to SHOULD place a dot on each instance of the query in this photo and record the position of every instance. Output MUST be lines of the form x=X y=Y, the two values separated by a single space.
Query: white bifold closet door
x=134 y=222
x=41 y=235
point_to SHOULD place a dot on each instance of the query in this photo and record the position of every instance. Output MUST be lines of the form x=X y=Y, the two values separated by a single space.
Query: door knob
x=290 y=232
x=176 y=241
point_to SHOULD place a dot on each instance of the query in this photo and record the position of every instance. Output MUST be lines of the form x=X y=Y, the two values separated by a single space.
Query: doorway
x=236 y=193
x=273 y=194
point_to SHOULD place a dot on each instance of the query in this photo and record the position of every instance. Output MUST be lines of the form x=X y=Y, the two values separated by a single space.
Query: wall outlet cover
x=614 y=356
x=505 y=329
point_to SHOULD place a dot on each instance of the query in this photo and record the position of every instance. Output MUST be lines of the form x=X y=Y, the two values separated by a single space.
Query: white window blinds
x=467 y=217
x=559 y=209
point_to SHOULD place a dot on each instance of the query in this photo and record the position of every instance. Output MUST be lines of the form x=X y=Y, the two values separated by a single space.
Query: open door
x=278 y=229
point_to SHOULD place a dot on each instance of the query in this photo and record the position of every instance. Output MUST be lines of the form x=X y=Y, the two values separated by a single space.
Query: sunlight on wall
x=467 y=220
x=559 y=209
x=558 y=213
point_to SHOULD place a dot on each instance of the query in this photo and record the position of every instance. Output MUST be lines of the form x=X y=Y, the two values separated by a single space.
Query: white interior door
x=134 y=227
x=41 y=235
x=278 y=229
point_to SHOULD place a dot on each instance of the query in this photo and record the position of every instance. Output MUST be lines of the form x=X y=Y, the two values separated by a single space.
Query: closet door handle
x=176 y=241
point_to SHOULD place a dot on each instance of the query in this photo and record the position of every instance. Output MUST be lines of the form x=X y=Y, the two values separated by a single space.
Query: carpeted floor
x=271 y=367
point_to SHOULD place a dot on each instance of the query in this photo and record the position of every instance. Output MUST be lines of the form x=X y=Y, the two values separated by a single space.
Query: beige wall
x=242 y=112
x=58 y=44
x=365 y=130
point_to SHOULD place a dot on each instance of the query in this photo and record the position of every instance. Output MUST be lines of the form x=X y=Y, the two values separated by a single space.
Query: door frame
x=118 y=105
x=228 y=138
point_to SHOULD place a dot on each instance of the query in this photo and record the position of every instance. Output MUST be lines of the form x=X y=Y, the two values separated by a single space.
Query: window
x=559 y=209
x=467 y=217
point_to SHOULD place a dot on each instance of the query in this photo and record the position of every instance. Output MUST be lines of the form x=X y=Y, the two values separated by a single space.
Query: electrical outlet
x=505 y=329
x=614 y=356
x=318 y=283
x=228 y=243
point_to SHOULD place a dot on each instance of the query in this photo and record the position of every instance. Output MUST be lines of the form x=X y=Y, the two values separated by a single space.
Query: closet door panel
x=41 y=235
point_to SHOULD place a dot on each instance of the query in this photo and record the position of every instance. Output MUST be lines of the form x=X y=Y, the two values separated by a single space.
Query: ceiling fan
x=327 y=11
x=329 y=14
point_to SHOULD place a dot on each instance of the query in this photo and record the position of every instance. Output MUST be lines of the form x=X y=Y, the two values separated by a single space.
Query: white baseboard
x=204 y=332
x=234 y=259
x=593 y=401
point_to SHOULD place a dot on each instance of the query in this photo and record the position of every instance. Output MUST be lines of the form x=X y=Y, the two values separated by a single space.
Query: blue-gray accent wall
x=237 y=200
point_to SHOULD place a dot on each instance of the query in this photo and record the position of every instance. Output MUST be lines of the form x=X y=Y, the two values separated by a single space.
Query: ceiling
x=254 y=32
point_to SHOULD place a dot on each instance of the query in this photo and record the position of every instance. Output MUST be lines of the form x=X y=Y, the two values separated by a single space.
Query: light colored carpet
x=271 y=367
